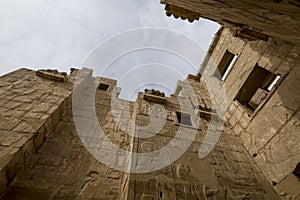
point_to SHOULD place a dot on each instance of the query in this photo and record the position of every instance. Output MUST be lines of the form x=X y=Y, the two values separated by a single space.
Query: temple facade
x=231 y=131
x=47 y=154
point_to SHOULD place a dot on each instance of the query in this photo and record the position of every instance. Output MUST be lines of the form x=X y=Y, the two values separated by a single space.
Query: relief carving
x=144 y=109
x=171 y=115
x=156 y=111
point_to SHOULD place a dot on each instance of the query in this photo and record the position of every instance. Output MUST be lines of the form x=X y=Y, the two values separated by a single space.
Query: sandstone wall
x=65 y=169
x=228 y=172
x=30 y=108
x=271 y=132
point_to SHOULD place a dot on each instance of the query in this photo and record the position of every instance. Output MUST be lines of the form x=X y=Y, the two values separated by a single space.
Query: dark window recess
x=184 y=118
x=296 y=172
x=103 y=86
x=256 y=88
x=224 y=64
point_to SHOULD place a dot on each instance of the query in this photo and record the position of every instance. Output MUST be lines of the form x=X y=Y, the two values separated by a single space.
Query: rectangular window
x=103 y=86
x=184 y=118
x=257 y=87
x=225 y=65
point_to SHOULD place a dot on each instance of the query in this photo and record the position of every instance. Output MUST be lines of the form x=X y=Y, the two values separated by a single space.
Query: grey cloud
x=61 y=33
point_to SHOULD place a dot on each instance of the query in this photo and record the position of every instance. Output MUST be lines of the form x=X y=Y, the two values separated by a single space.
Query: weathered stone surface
x=289 y=187
x=255 y=141
x=24 y=118
x=52 y=75
x=64 y=169
x=270 y=132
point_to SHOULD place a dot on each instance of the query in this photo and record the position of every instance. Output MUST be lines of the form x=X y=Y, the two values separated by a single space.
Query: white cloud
x=61 y=33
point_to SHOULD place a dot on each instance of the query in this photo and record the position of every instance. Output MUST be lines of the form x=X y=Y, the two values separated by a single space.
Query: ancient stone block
x=51 y=75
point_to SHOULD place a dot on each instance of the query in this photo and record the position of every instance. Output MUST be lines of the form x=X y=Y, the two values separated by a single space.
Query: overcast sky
x=62 y=33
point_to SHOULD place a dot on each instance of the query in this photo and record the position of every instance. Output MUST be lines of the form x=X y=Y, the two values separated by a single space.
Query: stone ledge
x=206 y=115
x=155 y=98
x=51 y=76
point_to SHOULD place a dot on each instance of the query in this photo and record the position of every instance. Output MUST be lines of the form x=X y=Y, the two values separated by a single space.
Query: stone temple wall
x=271 y=132
x=60 y=167
x=63 y=168
x=228 y=172
x=276 y=18
x=30 y=109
